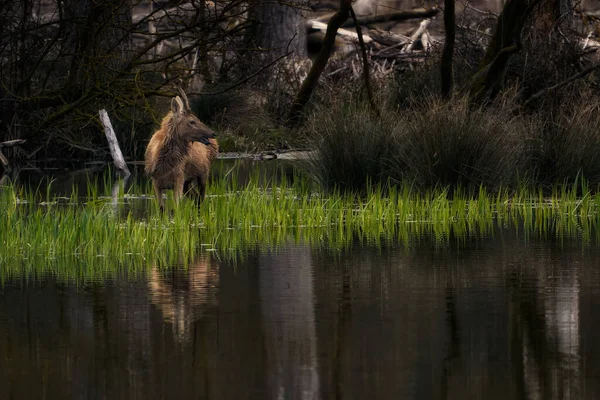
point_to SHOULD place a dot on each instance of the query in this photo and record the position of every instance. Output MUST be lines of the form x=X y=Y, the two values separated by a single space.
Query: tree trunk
x=310 y=83
x=548 y=13
x=280 y=27
x=97 y=39
x=448 y=52
x=489 y=81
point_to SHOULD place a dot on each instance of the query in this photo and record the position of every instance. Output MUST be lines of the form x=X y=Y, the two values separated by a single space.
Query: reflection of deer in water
x=184 y=294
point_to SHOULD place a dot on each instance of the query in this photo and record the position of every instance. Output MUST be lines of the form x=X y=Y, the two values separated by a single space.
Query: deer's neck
x=173 y=151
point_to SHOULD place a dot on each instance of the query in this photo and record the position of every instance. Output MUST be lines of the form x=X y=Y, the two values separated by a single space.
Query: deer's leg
x=202 y=182
x=188 y=186
x=158 y=195
x=178 y=189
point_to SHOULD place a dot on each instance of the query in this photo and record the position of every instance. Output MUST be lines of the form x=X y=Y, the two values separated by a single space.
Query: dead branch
x=415 y=36
x=113 y=144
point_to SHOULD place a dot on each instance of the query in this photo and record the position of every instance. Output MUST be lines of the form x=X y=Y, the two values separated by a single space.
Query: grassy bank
x=105 y=235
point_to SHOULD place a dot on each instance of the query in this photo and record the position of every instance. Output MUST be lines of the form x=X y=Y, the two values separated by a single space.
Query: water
x=494 y=315
x=499 y=318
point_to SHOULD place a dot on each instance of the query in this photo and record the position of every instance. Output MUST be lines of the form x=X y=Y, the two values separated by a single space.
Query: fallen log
x=113 y=144
x=415 y=13
x=394 y=16
x=320 y=26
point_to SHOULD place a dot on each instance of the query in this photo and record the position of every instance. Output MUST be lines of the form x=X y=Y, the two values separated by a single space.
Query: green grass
x=92 y=236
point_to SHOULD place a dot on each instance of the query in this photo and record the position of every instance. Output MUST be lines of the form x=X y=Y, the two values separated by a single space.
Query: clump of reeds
x=352 y=146
x=447 y=145
x=441 y=145
x=565 y=146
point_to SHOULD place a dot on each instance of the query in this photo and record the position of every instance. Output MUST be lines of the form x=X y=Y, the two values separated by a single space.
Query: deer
x=180 y=153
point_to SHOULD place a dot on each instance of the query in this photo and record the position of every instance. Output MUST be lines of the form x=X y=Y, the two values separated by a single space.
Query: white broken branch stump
x=113 y=144
x=3 y=159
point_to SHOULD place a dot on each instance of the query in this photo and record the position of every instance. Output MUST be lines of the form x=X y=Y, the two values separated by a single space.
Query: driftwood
x=115 y=150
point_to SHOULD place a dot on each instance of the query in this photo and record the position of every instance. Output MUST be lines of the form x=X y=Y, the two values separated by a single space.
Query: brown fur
x=175 y=158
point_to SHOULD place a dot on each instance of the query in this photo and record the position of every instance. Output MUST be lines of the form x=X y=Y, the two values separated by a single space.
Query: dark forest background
x=267 y=74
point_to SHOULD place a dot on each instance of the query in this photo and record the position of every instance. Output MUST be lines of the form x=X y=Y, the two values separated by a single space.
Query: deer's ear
x=177 y=107
x=184 y=99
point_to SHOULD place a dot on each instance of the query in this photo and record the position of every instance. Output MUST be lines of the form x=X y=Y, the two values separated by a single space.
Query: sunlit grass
x=102 y=232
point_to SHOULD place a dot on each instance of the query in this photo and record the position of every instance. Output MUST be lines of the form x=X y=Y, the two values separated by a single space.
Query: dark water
x=501 y=318
x=62 y=181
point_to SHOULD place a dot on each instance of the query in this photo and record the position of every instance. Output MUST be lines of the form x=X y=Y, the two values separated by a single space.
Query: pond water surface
x=495 y=316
